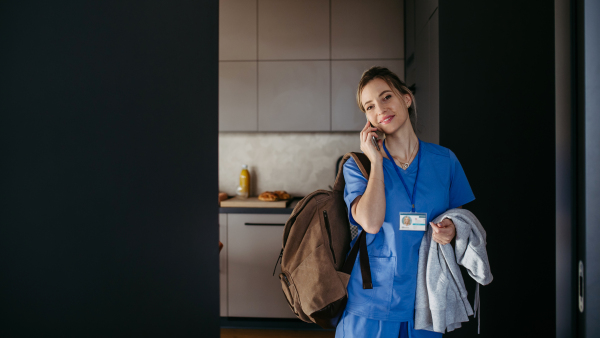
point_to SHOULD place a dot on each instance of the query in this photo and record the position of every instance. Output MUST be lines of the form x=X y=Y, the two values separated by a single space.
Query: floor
x=254 y=333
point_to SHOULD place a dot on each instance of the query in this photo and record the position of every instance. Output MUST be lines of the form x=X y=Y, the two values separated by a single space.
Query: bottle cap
x=244 y=166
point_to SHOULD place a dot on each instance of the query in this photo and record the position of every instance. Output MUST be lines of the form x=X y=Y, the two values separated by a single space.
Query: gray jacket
x=441 y=302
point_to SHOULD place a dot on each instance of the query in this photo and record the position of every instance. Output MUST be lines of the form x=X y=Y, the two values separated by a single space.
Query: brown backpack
x=316 y=238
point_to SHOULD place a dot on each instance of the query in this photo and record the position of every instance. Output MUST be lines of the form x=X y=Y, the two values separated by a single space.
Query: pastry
x=222 y=196
x=282 y=194
x=268 y=196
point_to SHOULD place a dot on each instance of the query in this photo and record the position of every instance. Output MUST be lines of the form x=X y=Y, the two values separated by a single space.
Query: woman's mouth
x=387 y=119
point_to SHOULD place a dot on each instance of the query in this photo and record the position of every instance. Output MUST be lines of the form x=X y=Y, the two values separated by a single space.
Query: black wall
x=108 y=224
x=497 y=113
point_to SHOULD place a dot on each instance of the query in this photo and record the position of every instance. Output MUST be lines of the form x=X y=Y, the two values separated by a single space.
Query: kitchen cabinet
x=254 y=242
x=223 y=264
x=293 y=66
x=293 y=30
x=294 y=96
x=237 y=30
x=367 y=29
x=238 y=96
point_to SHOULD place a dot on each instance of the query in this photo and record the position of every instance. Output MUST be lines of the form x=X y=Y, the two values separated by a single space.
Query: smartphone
x=374 y=139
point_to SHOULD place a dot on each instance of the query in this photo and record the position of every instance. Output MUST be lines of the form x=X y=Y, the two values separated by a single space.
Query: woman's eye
x=387 y=97
x=369 y=107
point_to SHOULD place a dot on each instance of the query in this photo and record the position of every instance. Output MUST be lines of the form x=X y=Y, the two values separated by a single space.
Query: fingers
x=366 y=126
x=442 y=234
x=441 y=238
x=446 y=222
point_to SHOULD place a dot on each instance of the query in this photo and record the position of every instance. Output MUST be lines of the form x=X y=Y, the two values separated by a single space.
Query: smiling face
x=386 y=109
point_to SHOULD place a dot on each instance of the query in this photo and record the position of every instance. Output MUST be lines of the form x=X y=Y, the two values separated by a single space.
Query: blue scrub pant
x=353 y=326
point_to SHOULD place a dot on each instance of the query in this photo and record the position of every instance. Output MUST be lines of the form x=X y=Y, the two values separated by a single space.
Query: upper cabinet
x=237 y=29
x=293 y=30
x=238 y=92
x=367 y=29
x=293 y=96
x=289 y=65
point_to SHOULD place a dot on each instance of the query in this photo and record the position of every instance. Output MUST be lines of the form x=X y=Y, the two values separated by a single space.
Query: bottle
x=243 y=189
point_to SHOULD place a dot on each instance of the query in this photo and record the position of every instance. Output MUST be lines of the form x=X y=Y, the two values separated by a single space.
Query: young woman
x=409 y=180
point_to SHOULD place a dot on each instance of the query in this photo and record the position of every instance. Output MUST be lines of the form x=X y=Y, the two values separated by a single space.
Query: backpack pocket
x=317 y=281
x=289 y=291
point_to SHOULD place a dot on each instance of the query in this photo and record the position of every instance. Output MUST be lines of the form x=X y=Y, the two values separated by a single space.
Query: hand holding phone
x=374 y=140
x=373 y=150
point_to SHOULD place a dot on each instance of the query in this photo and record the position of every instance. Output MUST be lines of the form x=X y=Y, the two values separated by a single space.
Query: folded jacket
x=441 y=301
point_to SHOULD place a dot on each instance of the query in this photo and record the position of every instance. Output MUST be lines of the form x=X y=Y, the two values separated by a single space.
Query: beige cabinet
x=253 y=245
x=362 y=30
x=294 y=66
x=238 y=96
x=293 y=96
x=223 y=264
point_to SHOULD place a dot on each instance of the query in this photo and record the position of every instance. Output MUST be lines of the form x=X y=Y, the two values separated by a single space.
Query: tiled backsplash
x=296 y=162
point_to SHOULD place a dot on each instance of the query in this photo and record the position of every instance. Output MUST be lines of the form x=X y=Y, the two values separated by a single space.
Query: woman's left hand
x=444 y=231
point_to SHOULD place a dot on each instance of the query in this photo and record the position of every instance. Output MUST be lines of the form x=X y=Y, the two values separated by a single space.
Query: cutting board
x=253 y=202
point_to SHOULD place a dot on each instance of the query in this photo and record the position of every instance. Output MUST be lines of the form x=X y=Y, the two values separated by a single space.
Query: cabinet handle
x=268 y=224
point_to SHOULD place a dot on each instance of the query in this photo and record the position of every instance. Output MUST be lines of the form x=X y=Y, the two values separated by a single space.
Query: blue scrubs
x=394 y=254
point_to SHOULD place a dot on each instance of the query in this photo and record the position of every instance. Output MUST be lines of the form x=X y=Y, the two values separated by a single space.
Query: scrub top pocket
x=374 y=301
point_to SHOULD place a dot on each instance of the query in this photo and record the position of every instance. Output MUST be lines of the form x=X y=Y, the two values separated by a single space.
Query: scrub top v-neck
x=394 y=253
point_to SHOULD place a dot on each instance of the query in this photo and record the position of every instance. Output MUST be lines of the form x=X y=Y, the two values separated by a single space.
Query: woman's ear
x=407 y=100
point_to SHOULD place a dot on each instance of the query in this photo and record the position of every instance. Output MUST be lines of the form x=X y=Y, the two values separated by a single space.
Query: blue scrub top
x=394 y=254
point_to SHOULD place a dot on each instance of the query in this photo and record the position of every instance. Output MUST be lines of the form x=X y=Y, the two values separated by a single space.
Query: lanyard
x=412 y=197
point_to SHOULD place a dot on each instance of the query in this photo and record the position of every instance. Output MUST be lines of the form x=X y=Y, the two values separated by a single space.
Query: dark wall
x=108 y=180
x=588 y=151
x=497 y=113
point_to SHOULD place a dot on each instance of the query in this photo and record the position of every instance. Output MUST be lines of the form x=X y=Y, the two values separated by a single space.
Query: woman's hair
x=398 y=87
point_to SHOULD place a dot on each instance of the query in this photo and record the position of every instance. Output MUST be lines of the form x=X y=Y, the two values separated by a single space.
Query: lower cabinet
x=253 y=245
x=223 y=264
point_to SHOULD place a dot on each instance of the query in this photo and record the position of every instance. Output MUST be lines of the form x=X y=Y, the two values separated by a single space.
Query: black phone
x=374 y=139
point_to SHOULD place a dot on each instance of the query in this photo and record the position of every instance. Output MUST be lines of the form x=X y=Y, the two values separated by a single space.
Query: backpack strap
x=365 y=267
x=363 y=162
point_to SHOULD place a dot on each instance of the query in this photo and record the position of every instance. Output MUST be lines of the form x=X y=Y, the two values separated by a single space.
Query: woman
x=409 y=179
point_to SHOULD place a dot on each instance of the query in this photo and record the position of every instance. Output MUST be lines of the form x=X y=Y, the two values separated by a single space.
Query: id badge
x=415 y=221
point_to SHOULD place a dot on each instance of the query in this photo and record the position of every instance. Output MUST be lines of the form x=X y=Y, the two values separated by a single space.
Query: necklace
x=405 y=165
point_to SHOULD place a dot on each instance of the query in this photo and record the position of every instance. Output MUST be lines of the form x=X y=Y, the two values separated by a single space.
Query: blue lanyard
x=414 y=193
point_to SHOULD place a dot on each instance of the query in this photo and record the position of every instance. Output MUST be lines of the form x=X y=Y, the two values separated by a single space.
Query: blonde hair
x=398 y=87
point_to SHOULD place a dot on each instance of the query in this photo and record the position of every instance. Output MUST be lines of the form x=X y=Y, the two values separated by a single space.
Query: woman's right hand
x=366 y=145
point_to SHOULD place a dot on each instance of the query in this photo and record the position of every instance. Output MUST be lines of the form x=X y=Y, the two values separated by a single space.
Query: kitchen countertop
x=284 y=211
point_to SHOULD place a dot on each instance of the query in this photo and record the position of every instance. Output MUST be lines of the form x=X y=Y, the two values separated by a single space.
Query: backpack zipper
x=329 y=233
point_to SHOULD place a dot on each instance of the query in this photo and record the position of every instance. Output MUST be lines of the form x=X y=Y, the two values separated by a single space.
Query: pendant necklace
x=405 y=165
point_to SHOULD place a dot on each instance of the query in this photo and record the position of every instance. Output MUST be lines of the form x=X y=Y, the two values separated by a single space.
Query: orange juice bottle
x=244 y=188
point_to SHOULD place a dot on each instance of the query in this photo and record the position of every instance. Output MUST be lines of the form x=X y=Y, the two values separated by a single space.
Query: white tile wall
x=293 y=30
x=296 y=162
x=237 y=29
